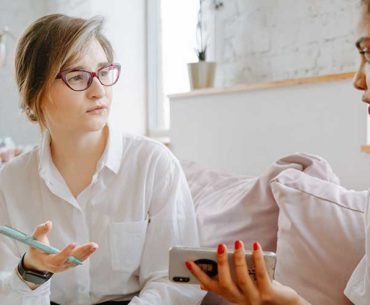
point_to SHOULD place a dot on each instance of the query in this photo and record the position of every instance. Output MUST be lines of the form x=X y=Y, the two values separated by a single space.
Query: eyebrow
x=101 y=64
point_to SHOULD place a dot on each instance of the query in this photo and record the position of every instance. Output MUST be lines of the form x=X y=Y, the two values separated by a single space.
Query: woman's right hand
x=244 y=291
x=37 y=260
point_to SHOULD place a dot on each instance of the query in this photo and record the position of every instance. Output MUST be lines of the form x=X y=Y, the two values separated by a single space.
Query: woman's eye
x=75 y=77
x=104 y=73
x=365 y=55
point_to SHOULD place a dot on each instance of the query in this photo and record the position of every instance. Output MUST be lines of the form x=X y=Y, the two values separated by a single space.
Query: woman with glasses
x=115 y=202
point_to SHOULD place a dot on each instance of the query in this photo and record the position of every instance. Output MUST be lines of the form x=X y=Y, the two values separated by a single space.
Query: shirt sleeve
x=12 y=289
x=172 y=222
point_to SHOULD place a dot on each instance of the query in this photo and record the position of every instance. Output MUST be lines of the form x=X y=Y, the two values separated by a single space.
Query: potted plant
x=201 y=73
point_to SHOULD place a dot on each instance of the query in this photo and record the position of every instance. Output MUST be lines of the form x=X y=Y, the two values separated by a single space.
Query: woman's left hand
x=244 y=291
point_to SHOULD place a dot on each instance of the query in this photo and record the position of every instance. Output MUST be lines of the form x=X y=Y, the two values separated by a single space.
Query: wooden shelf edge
x=264 y=85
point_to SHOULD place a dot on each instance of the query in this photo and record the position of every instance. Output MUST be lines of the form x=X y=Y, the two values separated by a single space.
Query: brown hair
x=49 y=44
x=366 y=4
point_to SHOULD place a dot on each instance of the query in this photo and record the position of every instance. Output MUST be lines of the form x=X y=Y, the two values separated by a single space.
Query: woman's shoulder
x=146 y=148
x=20 y=164
x=139 y=142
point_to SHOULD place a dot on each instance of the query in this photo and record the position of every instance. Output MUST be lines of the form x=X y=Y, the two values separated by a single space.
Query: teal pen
x=29 y=240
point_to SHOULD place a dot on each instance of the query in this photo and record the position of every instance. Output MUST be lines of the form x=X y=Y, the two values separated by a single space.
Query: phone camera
x=181 y=279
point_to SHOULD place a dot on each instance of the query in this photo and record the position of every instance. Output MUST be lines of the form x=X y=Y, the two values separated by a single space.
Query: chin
x=97 y=124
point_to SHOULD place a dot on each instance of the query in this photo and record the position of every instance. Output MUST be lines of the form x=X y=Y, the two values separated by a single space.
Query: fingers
x=62 y=257
x=59 y=262
x=224 y=276
x=83 y=252
x=206 y=283
x=42 y=230
x=263 y=279
x=224 y=285
x=39 y=260
x=244 y=281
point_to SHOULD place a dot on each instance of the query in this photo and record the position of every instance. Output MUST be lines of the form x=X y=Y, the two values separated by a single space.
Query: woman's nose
x=359 y=80
x=96 y=89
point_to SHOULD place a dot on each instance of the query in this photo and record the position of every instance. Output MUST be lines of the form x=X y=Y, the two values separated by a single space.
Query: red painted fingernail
x=188 y=265
x=238 y=245
x=255 y=246
x=220 y=249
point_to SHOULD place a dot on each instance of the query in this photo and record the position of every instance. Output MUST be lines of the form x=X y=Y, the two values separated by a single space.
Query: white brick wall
x=16 y=14
x=129 y=93
x=264 y=40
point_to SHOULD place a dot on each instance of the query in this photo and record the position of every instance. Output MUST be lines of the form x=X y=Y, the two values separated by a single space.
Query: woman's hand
x=41 y=261
x=244 y=291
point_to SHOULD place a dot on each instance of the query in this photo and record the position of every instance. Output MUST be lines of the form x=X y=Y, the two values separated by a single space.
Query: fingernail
x=238 y=245
x=255 y=246
x=188 y=265
x=220 y=249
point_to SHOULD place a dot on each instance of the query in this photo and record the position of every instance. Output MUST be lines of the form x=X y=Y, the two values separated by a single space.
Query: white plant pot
x=201 y=74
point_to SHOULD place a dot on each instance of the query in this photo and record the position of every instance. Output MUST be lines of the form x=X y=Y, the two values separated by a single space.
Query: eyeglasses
x=80 y=80
x=365 y=53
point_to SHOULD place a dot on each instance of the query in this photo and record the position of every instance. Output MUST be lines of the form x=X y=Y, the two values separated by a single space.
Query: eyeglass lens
x=81 y=80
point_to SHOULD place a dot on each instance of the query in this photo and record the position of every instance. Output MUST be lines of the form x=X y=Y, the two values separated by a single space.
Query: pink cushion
x=236 y=207
x=321 y=235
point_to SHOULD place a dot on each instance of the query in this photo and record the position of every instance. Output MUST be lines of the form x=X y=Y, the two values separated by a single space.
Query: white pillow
x=321 y=235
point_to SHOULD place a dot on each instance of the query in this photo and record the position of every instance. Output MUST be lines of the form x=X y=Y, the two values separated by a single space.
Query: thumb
x=42 y=230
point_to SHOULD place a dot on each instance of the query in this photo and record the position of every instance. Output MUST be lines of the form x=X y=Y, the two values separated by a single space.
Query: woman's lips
x=97 y=109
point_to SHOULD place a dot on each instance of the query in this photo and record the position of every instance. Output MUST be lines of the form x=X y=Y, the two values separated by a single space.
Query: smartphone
x=205 y=258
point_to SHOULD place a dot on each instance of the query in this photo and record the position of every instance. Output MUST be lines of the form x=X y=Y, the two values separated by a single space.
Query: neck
x=72 y=147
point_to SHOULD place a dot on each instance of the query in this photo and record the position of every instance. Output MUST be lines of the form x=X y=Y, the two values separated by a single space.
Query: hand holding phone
x=232 y=281
x=206 y=259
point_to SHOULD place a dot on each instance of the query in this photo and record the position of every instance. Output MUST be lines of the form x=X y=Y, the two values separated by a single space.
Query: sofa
x=296 y=208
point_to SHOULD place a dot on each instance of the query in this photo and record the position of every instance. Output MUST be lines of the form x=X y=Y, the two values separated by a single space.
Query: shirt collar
x=45 y=162
x=111 y=157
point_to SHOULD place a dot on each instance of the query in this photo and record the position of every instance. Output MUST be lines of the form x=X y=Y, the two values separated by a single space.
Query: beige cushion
x=236 y=207
x=239 y=207
x=321 y=235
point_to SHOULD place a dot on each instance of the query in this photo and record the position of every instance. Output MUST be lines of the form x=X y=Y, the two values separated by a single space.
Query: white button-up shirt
x=137 y=206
